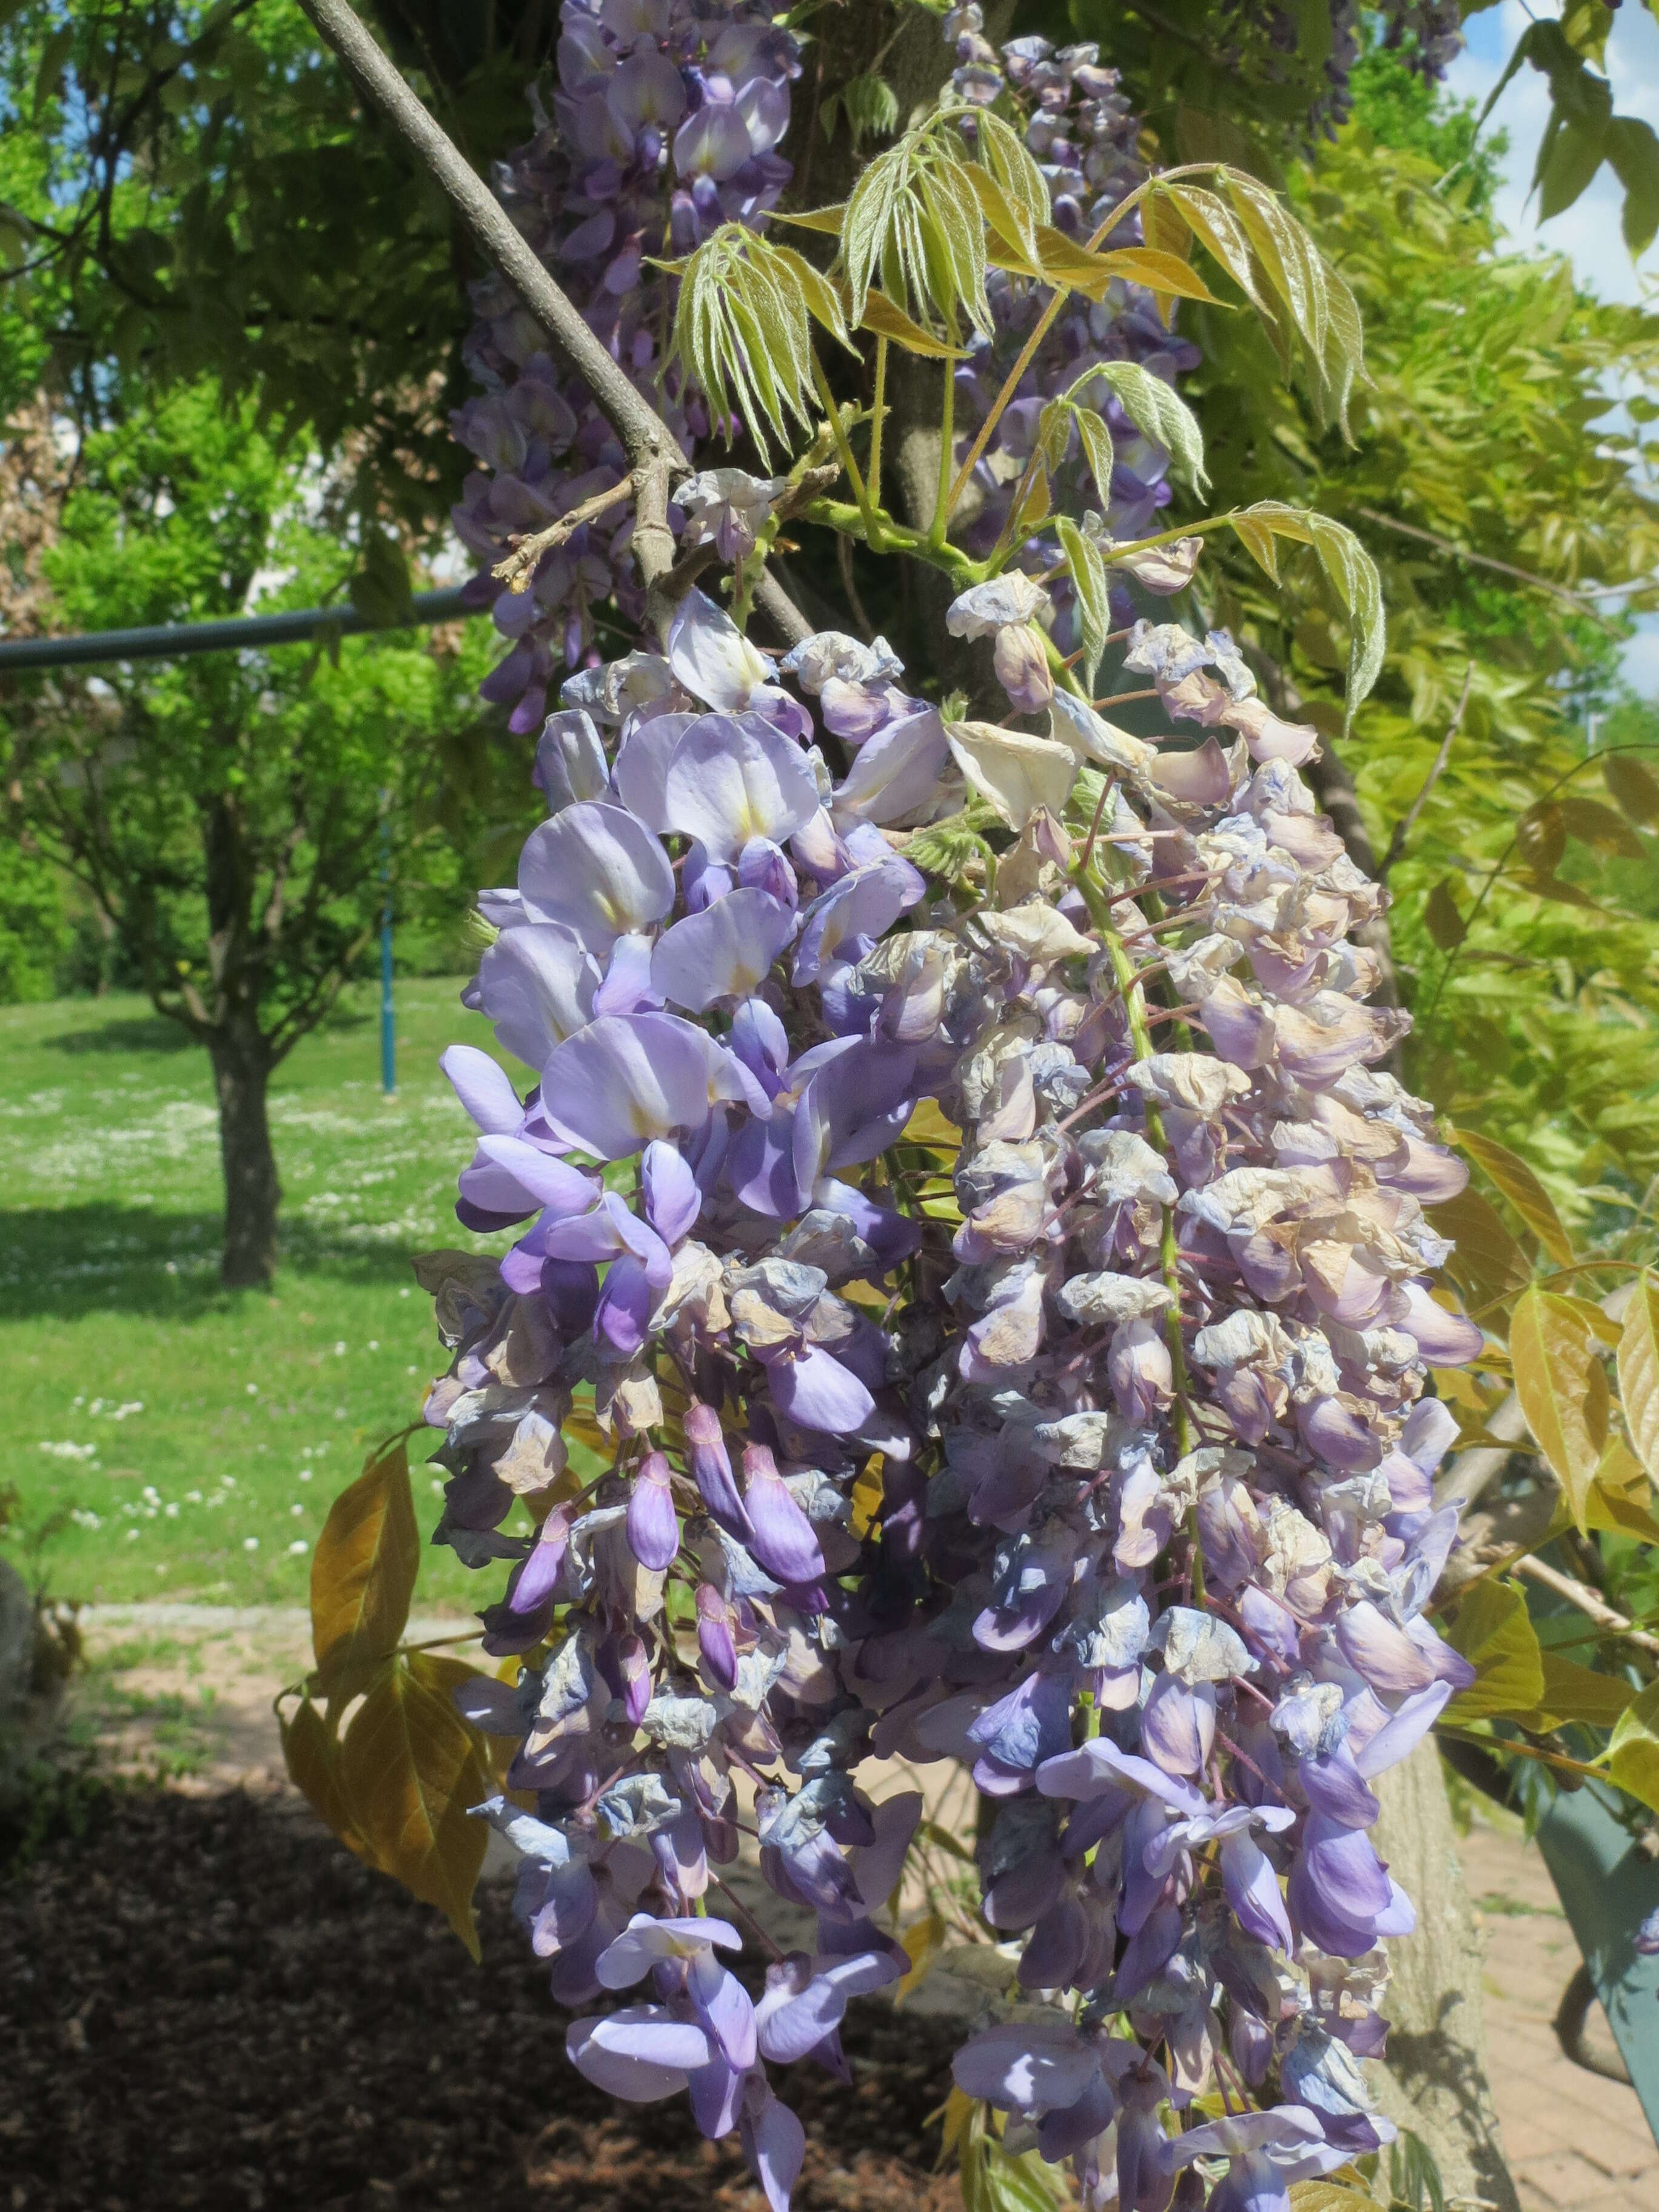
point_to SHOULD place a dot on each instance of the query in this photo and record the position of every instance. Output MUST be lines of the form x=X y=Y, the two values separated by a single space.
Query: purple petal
x=1030 y=2066
x=734 y=778
x=774 y=2143
x=811 y=1388
x=672 y=1201
x=640 y=2053
x=598 y=870
x=1253 y=1892
x=483 y=1089
x=654 y=1528
x=724 y=2007
x=727 y=951
x=783 y=1540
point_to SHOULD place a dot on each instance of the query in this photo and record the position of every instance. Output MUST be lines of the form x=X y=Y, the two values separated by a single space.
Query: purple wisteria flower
x=1155 y=1530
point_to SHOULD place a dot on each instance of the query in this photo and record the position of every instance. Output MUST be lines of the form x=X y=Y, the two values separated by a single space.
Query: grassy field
x=187 y=1440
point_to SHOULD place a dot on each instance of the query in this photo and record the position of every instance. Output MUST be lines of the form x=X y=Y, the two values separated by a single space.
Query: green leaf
x=312 y=1753
x=1088 y=573
x=410 y=1770
x=1494 y=1632
x=380 y=590
x=1486 y=1258
x=872 y=107
x=1442 y=919
x=1570 y=156
x=923 y=1940
x=1599 y=827
x=362 y=1574
x=1633 y=150
x=887 y=320
x=1638 y=1372
x=1572 y=1692
x=1633 y=1754
x=1632 y=785
x=1155 y=410
x=1563 y=1389
x=1348 y=568
x=1523 y=1191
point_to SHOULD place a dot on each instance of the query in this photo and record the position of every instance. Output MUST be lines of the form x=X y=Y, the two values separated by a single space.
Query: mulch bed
x=205 y=2001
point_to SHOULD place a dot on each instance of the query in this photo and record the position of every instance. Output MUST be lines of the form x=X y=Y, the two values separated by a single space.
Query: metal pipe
x=171 y=641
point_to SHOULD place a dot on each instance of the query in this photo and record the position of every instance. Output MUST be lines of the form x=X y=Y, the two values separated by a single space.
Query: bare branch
x=1589 y=1603
x=651 y=445
x=1407 y=822
x=518 y=571
x=1575 y=598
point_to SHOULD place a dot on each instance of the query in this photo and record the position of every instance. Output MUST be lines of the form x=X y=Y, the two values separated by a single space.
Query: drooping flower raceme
x=1110 y=1477
x=665 y=123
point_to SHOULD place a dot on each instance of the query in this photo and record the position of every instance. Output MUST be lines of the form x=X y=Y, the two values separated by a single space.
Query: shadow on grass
x=154 y=1033
x=68 y=1261
x=143 y=1033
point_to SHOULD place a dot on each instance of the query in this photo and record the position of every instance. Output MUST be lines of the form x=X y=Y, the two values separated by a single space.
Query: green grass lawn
x=195 y=1435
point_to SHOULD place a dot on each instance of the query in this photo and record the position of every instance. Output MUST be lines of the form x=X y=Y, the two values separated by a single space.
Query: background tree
x=239 y=817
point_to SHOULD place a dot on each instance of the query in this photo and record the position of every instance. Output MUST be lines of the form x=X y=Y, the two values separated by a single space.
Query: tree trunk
x=241 y=1070
x=1434 y=2079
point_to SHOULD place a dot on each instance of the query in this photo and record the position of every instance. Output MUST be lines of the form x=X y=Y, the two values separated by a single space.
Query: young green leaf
x=1155 y=410
x=411 y=1771
x=1494 y=1633
x=362 y=1574
x=1518 y=1182
x=1632 y=1751
x=1563 y=1389
x=1093 y=590
x=1638 y=1372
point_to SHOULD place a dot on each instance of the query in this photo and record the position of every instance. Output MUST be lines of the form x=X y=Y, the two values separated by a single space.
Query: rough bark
x=241 y=1072
x=1434 y=2079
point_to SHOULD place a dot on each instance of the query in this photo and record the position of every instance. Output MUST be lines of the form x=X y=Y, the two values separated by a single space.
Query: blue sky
x=1589 y=232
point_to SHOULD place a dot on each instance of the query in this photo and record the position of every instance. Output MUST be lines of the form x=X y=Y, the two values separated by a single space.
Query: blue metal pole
x=388 y=1017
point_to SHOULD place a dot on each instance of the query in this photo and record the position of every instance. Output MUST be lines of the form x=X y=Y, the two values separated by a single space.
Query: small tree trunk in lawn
x=241 y=1070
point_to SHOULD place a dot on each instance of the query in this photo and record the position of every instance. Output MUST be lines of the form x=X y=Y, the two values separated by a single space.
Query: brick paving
x=1575 y=2141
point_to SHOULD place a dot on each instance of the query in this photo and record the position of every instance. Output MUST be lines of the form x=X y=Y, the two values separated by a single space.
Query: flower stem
x=877 y=418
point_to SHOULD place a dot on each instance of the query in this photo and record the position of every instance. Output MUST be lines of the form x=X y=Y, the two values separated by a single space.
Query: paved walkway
x=194 y=1686
x=1574 y=2143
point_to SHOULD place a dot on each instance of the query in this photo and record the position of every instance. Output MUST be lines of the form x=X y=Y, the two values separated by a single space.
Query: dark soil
x=207 y=2002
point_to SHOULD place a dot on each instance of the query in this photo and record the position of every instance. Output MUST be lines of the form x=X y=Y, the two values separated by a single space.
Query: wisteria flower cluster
x=1107 y=1475
x=1083 y=134
x=665 y=123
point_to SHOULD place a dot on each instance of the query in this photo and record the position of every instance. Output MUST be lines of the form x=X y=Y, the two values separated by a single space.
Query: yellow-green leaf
x=1442 y=919
x=923 y=1939
x=1572 y=1692
x=827 y=220
x=410 y=1772
x=1164 y=273
x=1632 y=1756
x=1329 y=2197
x=362 y=1574
x=312 y=1756
x=1523 y=1191
x=889 y=320
x=1638 y=1372
x=1632 y=786
x=1563 y=1389
x=1495 y=1634
x=1486 y=1258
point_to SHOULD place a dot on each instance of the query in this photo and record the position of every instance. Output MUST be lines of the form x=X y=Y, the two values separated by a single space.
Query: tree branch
x=1407 y=822
x=1578 y=598
x=651 y=446
x=1589 y=1603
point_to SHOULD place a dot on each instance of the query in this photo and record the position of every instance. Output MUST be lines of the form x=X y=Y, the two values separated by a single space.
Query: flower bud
x=654 y=1527
x=1021 y=661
